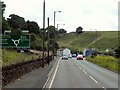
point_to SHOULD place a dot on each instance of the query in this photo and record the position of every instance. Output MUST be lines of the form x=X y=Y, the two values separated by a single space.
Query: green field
x=103 y=40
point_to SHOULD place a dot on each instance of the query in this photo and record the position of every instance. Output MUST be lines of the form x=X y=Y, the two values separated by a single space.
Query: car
x=80 y=57
x=74 y=55
x=69 y=56
x=64 y=57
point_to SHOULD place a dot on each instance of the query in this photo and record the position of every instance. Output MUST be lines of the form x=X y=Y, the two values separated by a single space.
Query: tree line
x=16 y=24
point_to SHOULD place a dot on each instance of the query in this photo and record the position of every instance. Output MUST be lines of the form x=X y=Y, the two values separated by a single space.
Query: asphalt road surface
x=74 y=73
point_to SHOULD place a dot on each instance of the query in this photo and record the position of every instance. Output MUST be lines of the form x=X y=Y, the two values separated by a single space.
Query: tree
x=56 y=46
x=117 y=52
x=52 y=32
x=79 y=30
x=3 y=23
x=33 y=27
x=62 y=31
x=3 y=7
x=16 y=22
x=36 y=42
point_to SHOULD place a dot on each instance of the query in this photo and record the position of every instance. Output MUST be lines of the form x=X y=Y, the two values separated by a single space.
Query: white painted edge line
x=49 y=75
x=84 y=71
x=104 y=88
x=93 y=79
x=54 y=74
x=52 y=69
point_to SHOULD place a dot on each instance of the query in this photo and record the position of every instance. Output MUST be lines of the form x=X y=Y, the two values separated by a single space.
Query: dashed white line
x=80 y=67
x=93 y=79
x=84 y=71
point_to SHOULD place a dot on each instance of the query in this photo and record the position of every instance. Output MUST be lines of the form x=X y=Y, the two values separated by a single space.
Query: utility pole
x=48 y=42
x=43 y=31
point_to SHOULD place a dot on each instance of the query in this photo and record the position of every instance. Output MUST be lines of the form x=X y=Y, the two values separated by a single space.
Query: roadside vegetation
x=12 y=57
x=108 y=62
x=15 y=24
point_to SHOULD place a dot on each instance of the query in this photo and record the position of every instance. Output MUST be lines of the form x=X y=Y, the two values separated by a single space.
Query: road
x=74 y=73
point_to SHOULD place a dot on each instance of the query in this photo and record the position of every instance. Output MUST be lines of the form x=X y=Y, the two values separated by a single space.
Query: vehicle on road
x=64 y=57
x=74 y=55
x=69 y=56
x=80 y=57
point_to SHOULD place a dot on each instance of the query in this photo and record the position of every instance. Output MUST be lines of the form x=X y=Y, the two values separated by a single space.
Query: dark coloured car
x=74 y=55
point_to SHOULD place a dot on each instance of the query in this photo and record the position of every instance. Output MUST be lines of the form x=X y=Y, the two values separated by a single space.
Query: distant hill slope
x=101 y=39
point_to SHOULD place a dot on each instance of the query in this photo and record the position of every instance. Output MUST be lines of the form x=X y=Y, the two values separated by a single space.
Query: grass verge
x=108 y=62
x=12 y=57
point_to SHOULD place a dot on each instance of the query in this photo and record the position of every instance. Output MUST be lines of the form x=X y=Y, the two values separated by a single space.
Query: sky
x=100 y=15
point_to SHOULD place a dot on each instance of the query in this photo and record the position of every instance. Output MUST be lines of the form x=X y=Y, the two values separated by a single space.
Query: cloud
x=99 y=14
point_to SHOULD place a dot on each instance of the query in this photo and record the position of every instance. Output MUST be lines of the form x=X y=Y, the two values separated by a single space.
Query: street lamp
x=54 y=27
x=43 y=31
x=55 y=16
x=58 y=25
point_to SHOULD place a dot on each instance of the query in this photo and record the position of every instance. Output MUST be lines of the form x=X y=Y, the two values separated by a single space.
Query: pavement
x=34 y=79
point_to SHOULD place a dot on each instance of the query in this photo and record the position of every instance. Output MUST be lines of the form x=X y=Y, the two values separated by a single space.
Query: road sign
x=17 y=41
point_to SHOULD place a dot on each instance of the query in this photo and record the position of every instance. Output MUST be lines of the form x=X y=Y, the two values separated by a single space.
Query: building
x=61 y=52
x=66 y=51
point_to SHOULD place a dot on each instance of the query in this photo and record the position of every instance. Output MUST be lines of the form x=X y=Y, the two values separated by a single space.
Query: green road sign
x=17 y=41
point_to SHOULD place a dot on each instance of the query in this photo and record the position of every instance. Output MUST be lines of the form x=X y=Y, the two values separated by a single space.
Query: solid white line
x=104 y=88
x=54 y=74
x=93 y=79
x=49 y=75
x=84 y=71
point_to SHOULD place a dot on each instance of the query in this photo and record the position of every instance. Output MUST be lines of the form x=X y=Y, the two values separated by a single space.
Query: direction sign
x=17 y=41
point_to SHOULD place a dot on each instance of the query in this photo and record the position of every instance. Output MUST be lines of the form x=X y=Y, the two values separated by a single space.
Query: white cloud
x=99 y=14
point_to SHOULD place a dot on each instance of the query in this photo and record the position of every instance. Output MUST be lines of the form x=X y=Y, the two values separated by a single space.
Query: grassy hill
x=101 y=39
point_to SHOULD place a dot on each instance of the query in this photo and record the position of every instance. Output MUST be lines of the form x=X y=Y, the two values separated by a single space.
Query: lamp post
x=48 y=42
x=55 y=16
x=54 y=27
x=43 y=31
x=58 y=25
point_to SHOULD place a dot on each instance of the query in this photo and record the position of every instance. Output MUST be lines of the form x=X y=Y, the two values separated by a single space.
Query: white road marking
x=54 y=74
x=93 y=79
x=80 y=67
x=84 y=71
x=104 y=88
x=49 y=75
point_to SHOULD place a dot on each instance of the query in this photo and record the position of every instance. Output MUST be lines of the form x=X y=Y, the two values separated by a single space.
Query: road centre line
x=80 y=67
x=84 y=71
x=93 y=79
x=54 y=74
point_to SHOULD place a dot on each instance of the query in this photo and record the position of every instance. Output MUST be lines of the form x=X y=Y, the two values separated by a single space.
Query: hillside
x=102 y=40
